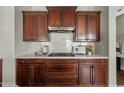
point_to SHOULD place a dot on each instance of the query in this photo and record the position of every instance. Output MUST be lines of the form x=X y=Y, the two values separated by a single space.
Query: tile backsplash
x=61 y=42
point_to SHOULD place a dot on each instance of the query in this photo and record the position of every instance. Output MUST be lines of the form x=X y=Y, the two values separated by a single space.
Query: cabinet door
x=81 y=27
x=85 y=75
x=35 y=26
x=29 y=27
x=87 y=26
x=93 y=27
x=54 y=17
x=68 y=18
x=41 y=26
x=100 y=75
x=0 y=72
x=38 y=74
x=24 y=75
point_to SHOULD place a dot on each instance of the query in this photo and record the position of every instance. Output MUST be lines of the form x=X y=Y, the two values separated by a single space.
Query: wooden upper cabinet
x=68 y=17
x=54 y=17
x=94 y=26
x=35 y=26
x=81 y=27
x=61 y=16
x=87 y=26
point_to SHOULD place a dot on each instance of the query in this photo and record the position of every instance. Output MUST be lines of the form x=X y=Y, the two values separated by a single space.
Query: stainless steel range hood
x=61 y=29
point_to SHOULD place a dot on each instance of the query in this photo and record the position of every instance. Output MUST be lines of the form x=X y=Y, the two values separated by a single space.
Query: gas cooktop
x=61 y=54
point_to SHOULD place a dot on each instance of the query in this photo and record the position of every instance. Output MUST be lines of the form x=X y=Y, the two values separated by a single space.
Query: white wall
x=7 y=44
x=112 y=45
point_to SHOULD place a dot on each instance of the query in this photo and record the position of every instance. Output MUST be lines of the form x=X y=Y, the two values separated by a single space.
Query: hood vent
x=61 y=29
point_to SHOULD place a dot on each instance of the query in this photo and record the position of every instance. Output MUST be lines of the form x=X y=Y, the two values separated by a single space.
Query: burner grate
x=61 y=54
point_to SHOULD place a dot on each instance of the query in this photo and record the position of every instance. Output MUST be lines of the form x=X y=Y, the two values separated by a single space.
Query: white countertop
x=32 y=56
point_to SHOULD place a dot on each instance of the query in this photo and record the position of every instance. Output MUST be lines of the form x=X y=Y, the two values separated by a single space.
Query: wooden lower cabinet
x=23 y=75
x=30 y=73
x=0 y=72
x=62 y=72
x=93 y=72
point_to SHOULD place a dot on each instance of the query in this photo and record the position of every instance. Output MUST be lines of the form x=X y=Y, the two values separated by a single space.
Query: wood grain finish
x=81 y=27
x=87 y=26
x=61 y=16
x=62 y=72
x=94 y=26
x=85 y=78
x=0 y=72
x=68 y=18
x=35 y=26
x=54 y=17
x=38 y=74
x=23 y=75
x=93 y=72
x=30 y=72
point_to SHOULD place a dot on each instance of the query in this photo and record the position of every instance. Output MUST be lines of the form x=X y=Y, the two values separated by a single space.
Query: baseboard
x=9 y=84
x=112 y=86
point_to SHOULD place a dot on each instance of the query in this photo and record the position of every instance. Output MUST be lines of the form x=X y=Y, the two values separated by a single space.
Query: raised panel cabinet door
x=29 y=27
x=81 y=27
x=100 y=75
x=68 y=18
x=54 y=17
x=41 y=26
x=93 y=26
x=85 y=75
x=0 y=72
x=23 y=75
x=38 y=74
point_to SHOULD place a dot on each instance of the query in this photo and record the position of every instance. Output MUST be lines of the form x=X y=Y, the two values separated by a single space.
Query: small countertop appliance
x=79 y=50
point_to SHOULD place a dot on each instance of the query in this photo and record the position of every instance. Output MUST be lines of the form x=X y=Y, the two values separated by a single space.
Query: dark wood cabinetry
x=87 y=26
x=61 y=16
x=0 y=72
x=62 y=72
x=30 y=72
x=93 y=72
x=35 y=26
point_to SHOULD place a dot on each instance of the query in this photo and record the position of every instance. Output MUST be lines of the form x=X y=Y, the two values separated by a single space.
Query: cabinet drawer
x=61 y=68
x=30 y=61
x=93 y=61
x=62 y=75
x=67 y=75
x=61 y=81
x=62 y=61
